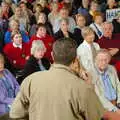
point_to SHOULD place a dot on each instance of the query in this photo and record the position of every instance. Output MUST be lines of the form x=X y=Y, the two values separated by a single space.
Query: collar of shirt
x=17 y=46
x=87 y=44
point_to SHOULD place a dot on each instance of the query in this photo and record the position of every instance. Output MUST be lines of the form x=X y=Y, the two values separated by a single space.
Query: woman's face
x=64 y=13
x=55 y=7
x=14 y=26
x=1 y=65
x=94 y=7
x=85 y=3
x=81 y=21
x=39 y=53
x=23 y=7
x=37 y=9
x=18 y=12
x=41 y=32
x=64 y=26
x=5 y=7
x=41 y=18
x=90 y=37
x=99 y=19
x=17 y=39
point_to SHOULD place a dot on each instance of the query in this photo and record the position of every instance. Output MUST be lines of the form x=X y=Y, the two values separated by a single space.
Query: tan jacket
x=56 y=94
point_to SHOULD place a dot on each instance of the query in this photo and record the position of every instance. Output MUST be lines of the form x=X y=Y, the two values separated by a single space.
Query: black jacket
x=60 y=34
x=78 y=36
x=116 y=26
x=33 y=66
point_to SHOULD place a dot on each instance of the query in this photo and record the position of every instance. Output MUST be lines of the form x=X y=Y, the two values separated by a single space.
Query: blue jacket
x=7 y=38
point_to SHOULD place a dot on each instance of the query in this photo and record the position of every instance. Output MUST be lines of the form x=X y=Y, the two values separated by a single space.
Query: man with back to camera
x=58 y=94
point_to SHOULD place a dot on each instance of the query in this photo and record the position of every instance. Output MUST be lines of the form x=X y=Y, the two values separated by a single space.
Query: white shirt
x=19 y=46
x=85 y=56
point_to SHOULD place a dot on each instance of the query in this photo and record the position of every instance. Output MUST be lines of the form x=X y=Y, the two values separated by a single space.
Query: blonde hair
x=86 y=30
x=13 y=21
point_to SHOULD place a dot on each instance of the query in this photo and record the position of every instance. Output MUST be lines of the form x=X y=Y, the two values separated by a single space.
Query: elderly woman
x=105 y=79
x=8 y=88
x=36 y=62
x=64 y=30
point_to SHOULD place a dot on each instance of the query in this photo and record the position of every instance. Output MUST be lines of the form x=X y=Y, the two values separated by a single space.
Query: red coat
x=48 y=41
x=114 y=42
x=17 y=56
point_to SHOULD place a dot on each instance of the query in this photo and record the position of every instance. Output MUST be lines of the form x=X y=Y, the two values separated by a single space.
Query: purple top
x=8 y=91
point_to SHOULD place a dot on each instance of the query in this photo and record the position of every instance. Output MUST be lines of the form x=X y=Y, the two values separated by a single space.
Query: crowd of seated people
x=29 y=28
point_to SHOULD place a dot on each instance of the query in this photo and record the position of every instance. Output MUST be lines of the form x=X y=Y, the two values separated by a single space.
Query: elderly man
x=109 y=40
x=107 y=85
x=58 y=94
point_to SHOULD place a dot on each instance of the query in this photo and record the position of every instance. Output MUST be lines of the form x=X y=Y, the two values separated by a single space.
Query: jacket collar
x=64 y=67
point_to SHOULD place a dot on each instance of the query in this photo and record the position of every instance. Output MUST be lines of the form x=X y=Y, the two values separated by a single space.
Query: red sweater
x=114 y=42
x=48 y=41
x=17 y=56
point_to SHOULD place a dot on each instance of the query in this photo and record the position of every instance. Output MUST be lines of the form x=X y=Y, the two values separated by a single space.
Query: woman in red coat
x=17 y=52
x=47 y=40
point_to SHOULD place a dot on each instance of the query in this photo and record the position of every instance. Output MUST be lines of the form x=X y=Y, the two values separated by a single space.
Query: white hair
x=104 y=51
x=37 y=45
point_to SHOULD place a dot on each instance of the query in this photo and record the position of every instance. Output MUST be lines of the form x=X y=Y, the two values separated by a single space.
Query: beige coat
x=56 y=94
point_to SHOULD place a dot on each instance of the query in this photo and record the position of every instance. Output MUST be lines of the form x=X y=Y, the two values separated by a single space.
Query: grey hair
x=107 y=23
x=37 y=45
x=65 y=20
x=103 y=51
